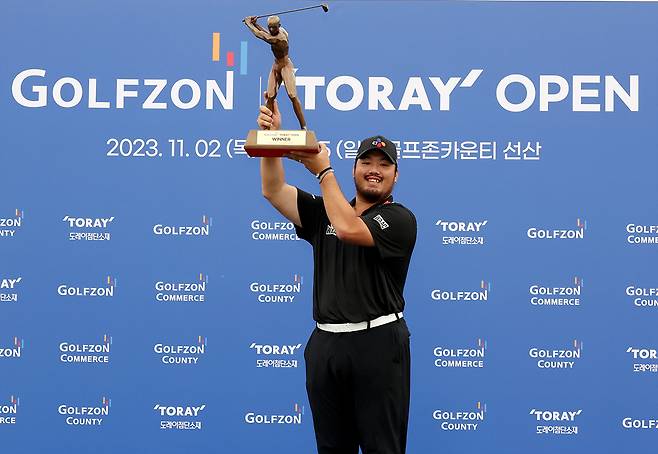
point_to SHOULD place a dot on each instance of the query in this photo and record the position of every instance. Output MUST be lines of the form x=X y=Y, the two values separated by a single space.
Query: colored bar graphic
x=243 y=57
x=215 y=46
x=230 y=58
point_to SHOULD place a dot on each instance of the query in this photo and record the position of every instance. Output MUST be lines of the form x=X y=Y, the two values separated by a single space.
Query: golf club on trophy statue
x=276 y=143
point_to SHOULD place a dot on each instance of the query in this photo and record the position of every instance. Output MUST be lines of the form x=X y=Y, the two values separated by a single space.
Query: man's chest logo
x=382 y=223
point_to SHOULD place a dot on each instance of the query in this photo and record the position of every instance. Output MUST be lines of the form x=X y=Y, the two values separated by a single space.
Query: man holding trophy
x=358 y=356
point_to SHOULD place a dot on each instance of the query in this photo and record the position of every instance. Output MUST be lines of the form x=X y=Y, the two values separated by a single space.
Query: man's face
x=273 y=28
x=374 y=176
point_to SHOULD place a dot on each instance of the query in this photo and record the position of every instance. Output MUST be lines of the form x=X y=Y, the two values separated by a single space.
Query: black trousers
x=358 y=388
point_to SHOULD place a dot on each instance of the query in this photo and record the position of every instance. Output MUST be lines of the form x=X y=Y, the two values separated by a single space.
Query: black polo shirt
x=357 y=283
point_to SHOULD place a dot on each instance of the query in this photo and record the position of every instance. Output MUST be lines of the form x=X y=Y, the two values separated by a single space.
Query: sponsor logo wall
x=153 y=301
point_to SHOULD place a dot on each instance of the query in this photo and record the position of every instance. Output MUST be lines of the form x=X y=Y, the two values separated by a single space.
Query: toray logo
x=9 y=411
x=189 y=411
x=535 y=233
x=642 y=353
x=557 y=359
x=461 y=226
x=642 y=234
x=15 y=351
x=542 y=295
x=463 y=295
x=553 y=416
x=468 y=420
x=278 y=292
x=9 y=283
x=643 y=296
x=88 y=223
x=102 y=292
x=86 y=353
x=185 y=230
x=8 y=290
x=461 y=357
x=86 y=416
x=9 y=226
x=181 y=354
x=265 y=349
x=259 y=418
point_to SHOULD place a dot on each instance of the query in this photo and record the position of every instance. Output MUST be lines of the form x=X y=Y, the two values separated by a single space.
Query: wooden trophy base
x=274 y=144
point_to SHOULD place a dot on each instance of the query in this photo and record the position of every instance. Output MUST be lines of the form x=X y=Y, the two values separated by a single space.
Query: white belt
x=349 y=327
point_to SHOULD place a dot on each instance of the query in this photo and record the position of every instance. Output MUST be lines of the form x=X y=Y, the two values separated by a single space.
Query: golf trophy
x=275 y=143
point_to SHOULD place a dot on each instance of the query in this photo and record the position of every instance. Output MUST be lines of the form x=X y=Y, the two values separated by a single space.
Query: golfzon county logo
x=181 y=354
x=76 y=415
x=461 y=420
x=277 y=291
x=565 y=358
x=9 y=226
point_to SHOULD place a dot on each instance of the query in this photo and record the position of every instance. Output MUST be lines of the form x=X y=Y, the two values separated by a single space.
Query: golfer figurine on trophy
x=276 y=143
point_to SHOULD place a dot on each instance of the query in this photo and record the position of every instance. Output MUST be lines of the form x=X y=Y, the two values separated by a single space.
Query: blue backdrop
x=152 y=301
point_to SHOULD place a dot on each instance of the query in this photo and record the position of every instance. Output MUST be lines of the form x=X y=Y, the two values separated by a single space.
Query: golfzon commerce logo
x=181 y=354
x=482 y=294
x=462 y=233
x=643 y=296
x=12 y=351
x=9 y=411
x=288 y=418
x=9 y=226
x=553 y=422
x=192 y=291
x=106 y=291
x=180 y=417
x=98 y=352
x=273 y=231
x=465 y=357
x=551 y=296
x=642 y=234
x=201 y=229
x=538 y=233
x=75 y=415
x=461 y=420
x=644 y=359
x=9 y=287
x=557 y=358
x=277 y=291
x=276 y=355
x=88 y=229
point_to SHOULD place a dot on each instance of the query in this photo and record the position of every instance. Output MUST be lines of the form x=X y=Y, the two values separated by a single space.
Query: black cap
x=378 y=143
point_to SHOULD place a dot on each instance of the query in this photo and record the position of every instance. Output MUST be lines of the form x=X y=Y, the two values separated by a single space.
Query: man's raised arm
x=281 y=195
